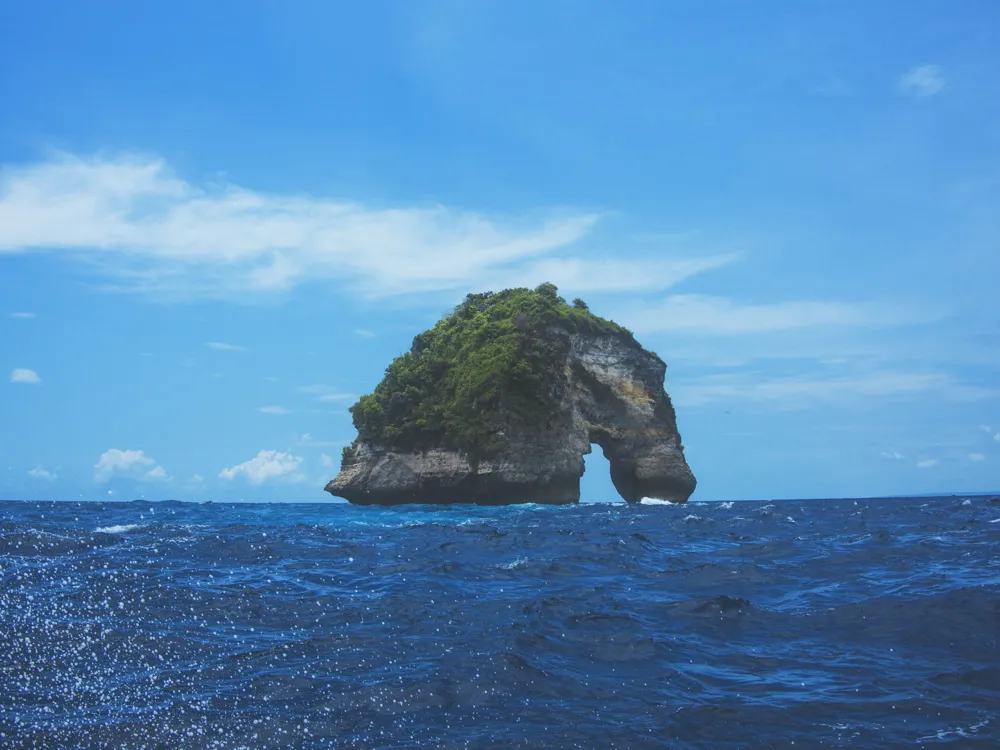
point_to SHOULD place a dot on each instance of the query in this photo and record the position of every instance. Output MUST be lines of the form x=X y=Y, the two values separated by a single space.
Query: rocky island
x=499 y=402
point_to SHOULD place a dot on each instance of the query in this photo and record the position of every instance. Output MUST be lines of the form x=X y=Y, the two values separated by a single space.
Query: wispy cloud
x=976 y=457
x=327 y=397
x=129 y=462
x=223 y=347
x=273 y=410
x=24 y=375
x=325 y=393
x=922 y=81
x=364 y=333
x=927 y=463
x=40 y=472
x=326 y=461
x=314 y=389
x=613 y=275
x=895 y=456
x=22 y=315
x=154 y=232
x=719 y=316
x=267 y=465
x=989 y=431
x=802 y=390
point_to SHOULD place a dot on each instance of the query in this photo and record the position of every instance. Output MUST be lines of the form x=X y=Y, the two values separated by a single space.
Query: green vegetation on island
x=493 y=361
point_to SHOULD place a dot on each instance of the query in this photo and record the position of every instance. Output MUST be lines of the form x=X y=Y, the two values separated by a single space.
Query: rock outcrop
x=606 y=390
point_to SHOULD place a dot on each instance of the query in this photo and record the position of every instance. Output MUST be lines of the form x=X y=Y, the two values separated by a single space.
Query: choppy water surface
x=819 y=623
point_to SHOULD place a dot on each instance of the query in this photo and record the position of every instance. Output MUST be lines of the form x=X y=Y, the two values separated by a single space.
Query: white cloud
x=996 y=437
x=327 y=397
x=326 y=460
x=314 y=389
x=325 y=393
x=154 y=232
x=719 y=316
x=893 y=455
x=223 y=347
x=927 y=463
x=922 y=81
x=22 y=315
x=976 y=457
x=273 y=410
x=364 y=333
x=612 y=275
x=196 y=480
x=305 y=438
x=801 y=390
x=24 y=375
x=130 y=462
x=267 y=465
x=986 y=428
x=40 y=472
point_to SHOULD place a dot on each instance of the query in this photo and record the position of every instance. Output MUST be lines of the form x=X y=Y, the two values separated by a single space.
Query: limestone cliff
x=527 y=428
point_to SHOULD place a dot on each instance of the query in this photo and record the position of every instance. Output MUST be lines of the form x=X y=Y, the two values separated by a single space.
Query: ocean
x=814 y=623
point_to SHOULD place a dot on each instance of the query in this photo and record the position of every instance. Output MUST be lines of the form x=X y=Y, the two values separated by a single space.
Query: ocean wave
x=118 y=528
x=257 y=626
x=655 y=501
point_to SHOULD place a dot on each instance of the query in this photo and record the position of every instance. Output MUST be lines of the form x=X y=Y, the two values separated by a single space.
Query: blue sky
x=220 y=221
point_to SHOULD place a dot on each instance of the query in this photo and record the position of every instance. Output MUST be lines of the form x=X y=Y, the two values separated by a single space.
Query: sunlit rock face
x=608 y=391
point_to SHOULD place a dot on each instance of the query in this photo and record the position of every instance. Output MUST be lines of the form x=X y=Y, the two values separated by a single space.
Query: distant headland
x=499 y=402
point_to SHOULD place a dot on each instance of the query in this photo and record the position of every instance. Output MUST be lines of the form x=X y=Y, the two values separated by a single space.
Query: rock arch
x=611 y=394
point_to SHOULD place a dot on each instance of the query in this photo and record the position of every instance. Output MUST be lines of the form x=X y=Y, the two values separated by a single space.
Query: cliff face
x=608 y=390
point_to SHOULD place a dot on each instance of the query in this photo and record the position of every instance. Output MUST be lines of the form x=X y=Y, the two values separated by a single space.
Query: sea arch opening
x=596 y=485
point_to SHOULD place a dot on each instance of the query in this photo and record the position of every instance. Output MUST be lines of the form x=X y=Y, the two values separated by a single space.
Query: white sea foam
x=118 y=529
x=943 y=734
x=520 y=562
x=995 y=520
x=654 y=501
x=727 y=505
x=966 y=502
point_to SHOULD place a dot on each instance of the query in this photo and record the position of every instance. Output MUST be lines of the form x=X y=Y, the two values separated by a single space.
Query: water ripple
x=833 y=623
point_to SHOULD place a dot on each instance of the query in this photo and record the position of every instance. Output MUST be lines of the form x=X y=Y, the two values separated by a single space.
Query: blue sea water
x=868 y=623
